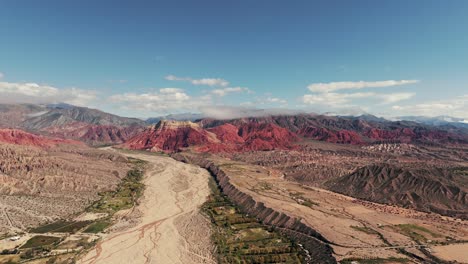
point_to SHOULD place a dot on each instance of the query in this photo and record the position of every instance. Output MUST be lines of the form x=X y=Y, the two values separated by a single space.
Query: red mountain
x=19 y=137
x=265 y=136
x=171 y=136
x=323 y=134
x=415 y=134
x=354 y=130
x=227 y=133
x=95 y=134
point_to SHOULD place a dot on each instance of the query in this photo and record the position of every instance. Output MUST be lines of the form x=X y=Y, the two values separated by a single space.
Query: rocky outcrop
x=314 y=242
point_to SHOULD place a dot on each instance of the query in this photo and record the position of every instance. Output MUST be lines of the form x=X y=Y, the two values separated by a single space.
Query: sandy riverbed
x=169 y=227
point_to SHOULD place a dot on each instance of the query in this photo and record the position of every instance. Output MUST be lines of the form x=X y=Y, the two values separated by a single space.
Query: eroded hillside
x=38 y=184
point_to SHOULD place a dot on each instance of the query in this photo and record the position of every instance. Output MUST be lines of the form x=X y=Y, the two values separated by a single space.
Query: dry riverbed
x=166 y=226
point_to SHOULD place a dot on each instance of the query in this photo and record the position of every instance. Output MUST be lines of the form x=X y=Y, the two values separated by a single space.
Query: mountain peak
x=173 y=124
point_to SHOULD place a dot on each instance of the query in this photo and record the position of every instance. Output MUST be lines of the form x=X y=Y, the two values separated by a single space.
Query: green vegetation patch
x=415 y=232
x=127 y=193
x=97 y=227
x=41 y=241
x=61 y=227
x=242 y=239
x=125 y=196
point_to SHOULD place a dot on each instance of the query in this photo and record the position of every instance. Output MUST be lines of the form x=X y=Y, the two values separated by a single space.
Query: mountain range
x=420 y=164
x=95 y=127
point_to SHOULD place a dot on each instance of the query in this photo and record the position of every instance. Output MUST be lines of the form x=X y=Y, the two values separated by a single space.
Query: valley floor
x=166 y=226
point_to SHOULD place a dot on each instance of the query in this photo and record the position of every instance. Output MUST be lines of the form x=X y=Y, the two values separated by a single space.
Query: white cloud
x=204 y=81
x=37 y=93
x=211 y=82
x=230 y=112
x=275 y=100
x=170 y=90
x=334 y=86
x=225 y=91
x=395 y=97
x=164 y=101
x=325 y=94
x=267 y=99
x=2 y=75
x=456 y=107
x=175 y=78
x=344 y=99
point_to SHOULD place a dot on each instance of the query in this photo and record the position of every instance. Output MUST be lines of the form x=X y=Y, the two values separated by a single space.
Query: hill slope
x=19 y=137
x=426 y=189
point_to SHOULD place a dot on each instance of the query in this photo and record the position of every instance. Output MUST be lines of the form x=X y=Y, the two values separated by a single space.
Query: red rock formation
x=170 y=136
x=404 y=134
x=19 y=137
x=323 y=134
x=95 y=134
x=417 y=134
x=227 y=133
x=266 y=136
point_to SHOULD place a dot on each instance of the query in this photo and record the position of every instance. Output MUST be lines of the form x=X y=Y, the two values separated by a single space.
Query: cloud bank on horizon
x=341 y=97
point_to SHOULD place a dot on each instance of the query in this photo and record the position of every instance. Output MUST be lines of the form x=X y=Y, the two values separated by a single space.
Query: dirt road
x=169 y=226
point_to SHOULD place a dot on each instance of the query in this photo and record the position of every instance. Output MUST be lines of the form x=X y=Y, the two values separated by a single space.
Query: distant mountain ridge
x=69 y=115
x=97 y=128
x=437 y=121
x=66 y=121
x=175 y=117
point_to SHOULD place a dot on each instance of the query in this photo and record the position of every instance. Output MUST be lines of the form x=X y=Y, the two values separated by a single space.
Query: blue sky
x=387 y=58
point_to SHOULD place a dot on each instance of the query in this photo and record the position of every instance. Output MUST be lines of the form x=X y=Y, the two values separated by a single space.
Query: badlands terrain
x=43 y=179
x=299 y=188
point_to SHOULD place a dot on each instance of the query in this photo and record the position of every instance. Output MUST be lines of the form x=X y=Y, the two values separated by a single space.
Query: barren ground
x=166 y=227
x=452 y=252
